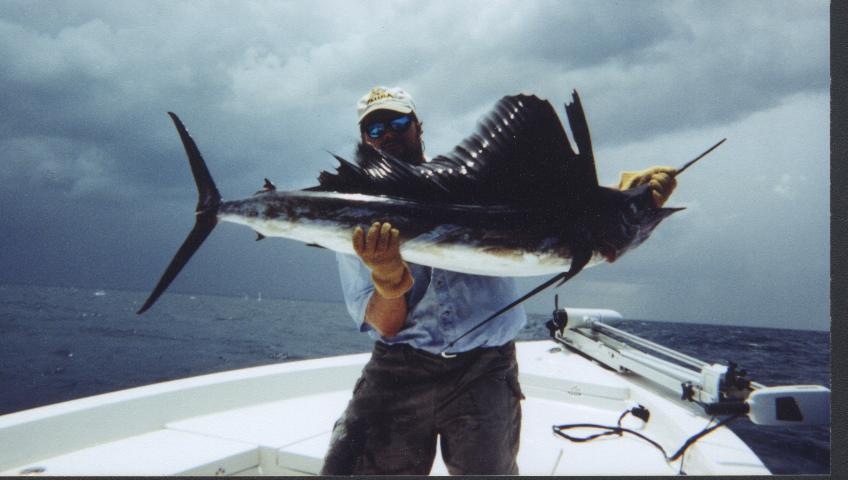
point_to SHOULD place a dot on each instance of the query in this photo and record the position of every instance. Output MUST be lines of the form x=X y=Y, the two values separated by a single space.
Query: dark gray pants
x=406 y=397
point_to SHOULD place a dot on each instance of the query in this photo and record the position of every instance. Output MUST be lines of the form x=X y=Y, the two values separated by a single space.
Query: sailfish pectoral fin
x=581 y=258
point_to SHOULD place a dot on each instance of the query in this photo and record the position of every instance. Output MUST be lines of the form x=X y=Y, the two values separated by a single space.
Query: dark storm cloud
x=648 y=68
x=266 y=77
x=92 y=164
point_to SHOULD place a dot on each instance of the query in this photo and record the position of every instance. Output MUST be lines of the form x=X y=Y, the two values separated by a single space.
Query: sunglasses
x=376 y=130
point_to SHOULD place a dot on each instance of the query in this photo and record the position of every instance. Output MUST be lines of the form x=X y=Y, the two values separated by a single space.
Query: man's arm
x=379 y=250
x=386 y=315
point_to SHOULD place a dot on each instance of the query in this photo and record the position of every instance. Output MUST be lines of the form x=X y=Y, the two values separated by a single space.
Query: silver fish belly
x=451 y=237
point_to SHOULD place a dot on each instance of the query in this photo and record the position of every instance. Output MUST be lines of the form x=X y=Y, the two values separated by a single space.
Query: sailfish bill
x=512 y=199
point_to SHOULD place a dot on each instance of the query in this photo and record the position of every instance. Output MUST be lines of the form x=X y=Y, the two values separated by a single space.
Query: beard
x=412 y=154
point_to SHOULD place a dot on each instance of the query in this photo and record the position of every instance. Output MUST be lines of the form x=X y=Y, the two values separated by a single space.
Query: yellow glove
x=380 y=252
x=660 y=179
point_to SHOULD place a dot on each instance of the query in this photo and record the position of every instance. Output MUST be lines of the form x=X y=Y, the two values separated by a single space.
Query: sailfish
x=512 y=199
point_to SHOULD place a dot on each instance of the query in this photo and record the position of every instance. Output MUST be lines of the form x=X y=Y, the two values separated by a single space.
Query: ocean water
x=59 y=344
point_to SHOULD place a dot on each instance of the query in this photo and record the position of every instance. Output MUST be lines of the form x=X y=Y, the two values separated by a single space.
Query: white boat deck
x=277 y=420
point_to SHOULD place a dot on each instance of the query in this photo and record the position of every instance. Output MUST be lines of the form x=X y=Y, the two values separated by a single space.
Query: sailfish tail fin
x=206 y=214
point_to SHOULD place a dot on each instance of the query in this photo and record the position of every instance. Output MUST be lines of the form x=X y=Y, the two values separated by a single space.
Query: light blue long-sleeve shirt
x=441 y=306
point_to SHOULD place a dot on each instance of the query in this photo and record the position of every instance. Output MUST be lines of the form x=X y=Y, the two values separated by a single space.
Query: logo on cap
x=378 y=93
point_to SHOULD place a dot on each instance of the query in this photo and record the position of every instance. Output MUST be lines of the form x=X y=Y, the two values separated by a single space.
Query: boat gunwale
x=114 y=415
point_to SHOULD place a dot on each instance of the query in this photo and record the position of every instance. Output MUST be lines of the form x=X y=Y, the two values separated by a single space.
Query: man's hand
x=660 y=179
x=379 y=250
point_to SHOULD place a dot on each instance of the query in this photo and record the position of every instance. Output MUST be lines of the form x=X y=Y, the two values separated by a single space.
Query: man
x=409 y=396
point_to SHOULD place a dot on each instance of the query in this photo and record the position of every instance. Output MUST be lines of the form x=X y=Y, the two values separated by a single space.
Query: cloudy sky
x=95 y=190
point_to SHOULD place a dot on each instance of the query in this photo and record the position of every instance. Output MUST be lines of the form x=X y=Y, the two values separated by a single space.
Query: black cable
x=619 y=430
x=611 y=431
x=694 y=438
x=683 y=459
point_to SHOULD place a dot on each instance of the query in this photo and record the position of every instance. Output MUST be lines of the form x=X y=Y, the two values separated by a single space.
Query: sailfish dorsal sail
x=519 y=154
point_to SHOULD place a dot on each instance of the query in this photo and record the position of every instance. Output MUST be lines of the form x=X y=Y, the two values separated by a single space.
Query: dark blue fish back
x=519 y=155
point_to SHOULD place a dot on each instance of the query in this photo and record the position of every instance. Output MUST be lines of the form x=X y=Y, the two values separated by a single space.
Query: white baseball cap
x=384 y=98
